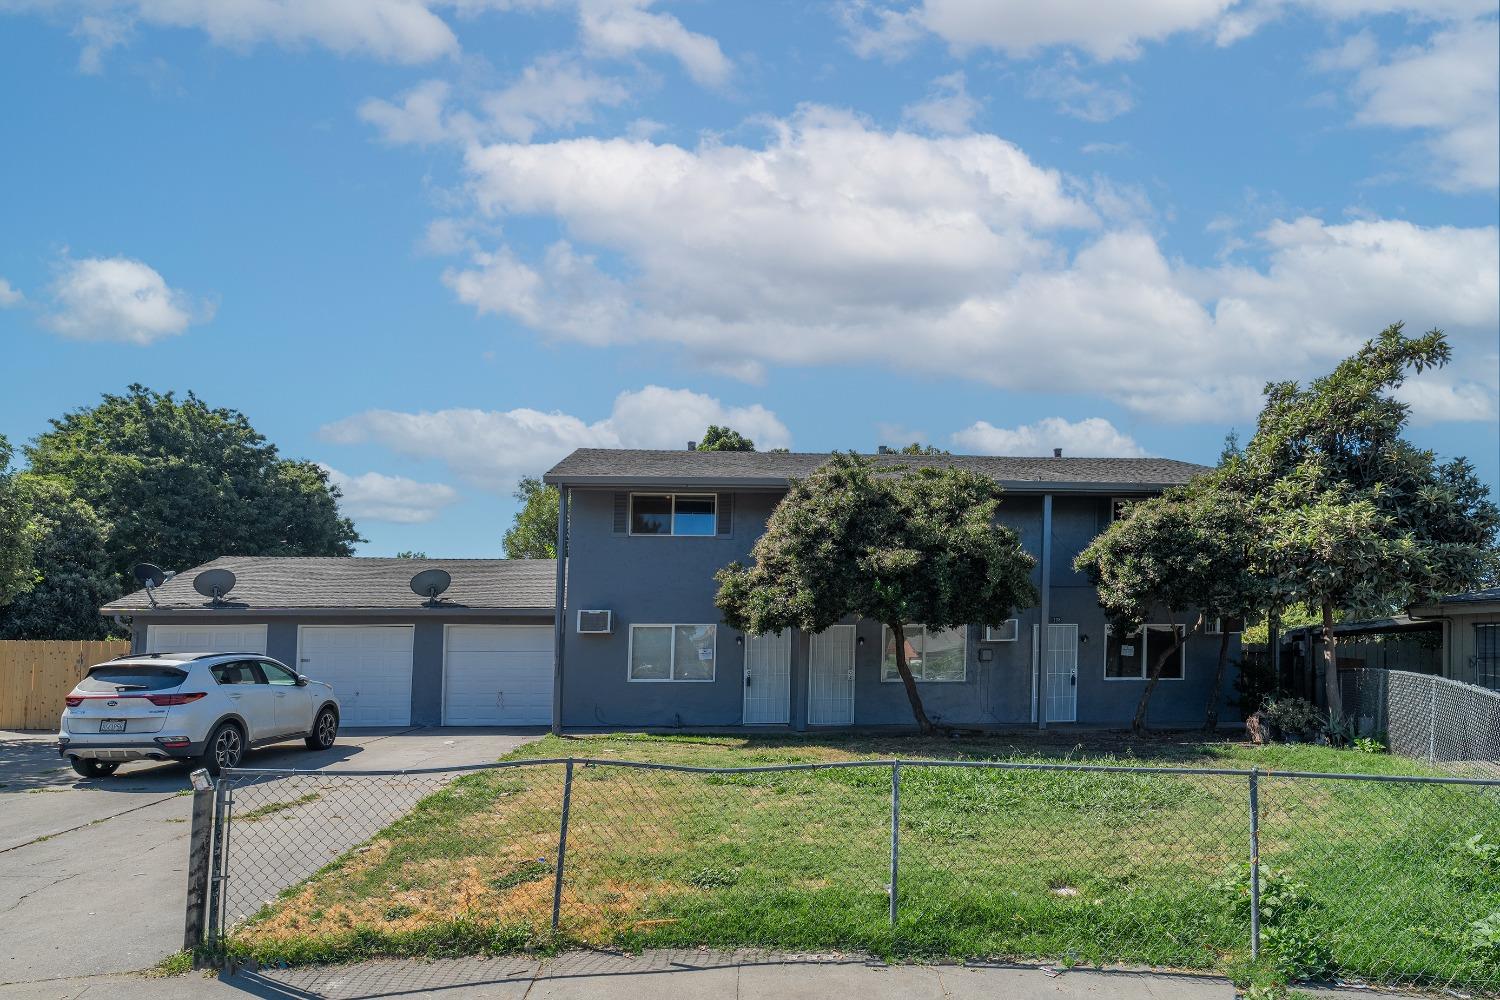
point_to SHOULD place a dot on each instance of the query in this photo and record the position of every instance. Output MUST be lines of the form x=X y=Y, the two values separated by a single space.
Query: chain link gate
x=1387 y=880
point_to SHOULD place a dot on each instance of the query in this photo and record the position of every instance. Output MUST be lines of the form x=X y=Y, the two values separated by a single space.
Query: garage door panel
x=206 y=638
x=369 y=667
x=498 y=675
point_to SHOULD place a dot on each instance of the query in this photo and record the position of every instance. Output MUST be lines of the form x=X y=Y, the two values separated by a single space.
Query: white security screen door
x=1060 y=668
x=205 y=638
x=768 y=679
x=830 y=678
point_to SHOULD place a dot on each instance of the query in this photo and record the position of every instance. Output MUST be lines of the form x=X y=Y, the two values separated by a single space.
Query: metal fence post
x=217 y=861
x=200 y=862
x=1432 y=720
x=1255 y=862
x=562 y=845
x=895 y=834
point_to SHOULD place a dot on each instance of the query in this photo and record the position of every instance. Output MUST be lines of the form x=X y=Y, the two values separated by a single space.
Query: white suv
x=184 y=706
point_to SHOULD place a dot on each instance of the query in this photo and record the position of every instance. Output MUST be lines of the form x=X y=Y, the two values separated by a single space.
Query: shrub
x=1294 y=717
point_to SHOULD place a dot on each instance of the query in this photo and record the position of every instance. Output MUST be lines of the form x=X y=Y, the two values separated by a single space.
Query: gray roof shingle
x=356 y=583
x=623 y=466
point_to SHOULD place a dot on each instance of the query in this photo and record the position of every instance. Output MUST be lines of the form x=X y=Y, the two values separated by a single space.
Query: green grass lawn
x=1388 y=882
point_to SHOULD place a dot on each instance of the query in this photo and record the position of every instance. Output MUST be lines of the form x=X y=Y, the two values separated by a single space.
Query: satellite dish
x=430 y=583
x=214 y=583
x=150 y=576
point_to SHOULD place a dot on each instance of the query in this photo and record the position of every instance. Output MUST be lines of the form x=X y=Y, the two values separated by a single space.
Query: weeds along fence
x=1386 y=880
x=1427 y=717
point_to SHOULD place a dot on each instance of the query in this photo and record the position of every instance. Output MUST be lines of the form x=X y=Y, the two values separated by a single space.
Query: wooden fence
x=36 y=674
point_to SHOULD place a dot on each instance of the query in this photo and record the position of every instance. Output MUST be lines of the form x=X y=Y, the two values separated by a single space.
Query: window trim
x=1145 y=674
x=671 y=518
x=884 y=629
x=1016 y=637
x=672 y=669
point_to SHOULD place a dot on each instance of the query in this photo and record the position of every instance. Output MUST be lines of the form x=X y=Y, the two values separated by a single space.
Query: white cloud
x=1093 y=437
x=404 y=31
x=945 y=256
x=1023 y=27
x=552 y=93
x=1446 y=88
x=495 y=448
x=1105 y=31
x=9 y=295
x=117 y=298
x=419 y=117
x=1077 y=97
x=1441 y=396
x=625 y=27
x=948 y=107
x=378 y=497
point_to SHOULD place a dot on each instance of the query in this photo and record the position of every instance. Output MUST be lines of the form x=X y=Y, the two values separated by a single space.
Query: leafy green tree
x=1187 y=552
x=718 y=438
x=1355 y=516
x=410 y=554
x=917 y=448
x=896 y=546
x=181 y=483
x=73 y=574
x=17 y=541
x=533 y=535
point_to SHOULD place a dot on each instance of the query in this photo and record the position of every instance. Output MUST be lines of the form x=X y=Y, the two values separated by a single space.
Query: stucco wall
x=669 y=580
x=281 y=643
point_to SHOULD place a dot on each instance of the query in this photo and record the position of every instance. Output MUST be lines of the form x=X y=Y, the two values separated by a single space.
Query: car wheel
x=88 y=767
x=226 y=748
x=325 y=730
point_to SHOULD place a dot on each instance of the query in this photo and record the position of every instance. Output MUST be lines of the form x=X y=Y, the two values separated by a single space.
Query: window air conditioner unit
x=596 y=622
x=1006 y=631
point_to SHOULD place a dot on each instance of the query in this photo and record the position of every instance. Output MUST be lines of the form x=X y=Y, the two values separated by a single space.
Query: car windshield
x=131 y=677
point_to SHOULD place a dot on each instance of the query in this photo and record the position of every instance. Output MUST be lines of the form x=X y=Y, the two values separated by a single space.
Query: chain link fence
x=1427 y=717
x=1390 y=881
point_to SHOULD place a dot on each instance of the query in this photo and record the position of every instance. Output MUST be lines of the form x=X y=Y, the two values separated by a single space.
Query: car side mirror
x=302 y=680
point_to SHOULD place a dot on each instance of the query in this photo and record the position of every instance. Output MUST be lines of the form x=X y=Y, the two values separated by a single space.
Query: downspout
x=1046 y=613
x=560 y=605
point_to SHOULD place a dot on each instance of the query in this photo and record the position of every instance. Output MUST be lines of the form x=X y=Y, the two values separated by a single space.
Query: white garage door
x=498 y=675
x=206 y=639
x=369 y=667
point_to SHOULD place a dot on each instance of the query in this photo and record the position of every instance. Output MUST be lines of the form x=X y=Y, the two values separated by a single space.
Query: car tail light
x=73 y=702
x=168 y=700
x=173 y=741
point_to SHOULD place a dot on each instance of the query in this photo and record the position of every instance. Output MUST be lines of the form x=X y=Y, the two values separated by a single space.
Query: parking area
x=93 y=872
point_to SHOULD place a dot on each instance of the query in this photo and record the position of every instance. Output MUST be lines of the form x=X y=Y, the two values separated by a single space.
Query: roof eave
x=784 y=482
x=307 y=612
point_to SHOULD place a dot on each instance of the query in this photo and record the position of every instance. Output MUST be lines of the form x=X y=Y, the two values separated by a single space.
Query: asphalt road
x=93 y=872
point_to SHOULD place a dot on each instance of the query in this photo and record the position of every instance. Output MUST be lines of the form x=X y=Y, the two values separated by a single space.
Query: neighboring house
x=481 y=655
x=1471 y=635
x=641 y=644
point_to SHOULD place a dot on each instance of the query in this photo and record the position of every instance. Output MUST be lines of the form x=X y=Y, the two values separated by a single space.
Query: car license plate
x=111 y=725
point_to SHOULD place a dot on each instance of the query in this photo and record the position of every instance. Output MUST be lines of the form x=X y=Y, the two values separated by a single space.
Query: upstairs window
x=673 y=514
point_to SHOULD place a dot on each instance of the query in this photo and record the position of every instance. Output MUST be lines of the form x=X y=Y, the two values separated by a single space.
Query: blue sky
x=437 y=244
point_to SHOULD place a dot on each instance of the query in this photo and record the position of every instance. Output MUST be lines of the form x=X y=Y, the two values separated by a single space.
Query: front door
x=768 y=679
x=1060 y=669
x=830 y=678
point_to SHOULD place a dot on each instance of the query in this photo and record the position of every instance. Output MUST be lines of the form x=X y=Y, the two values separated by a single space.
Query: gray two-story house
x=639 y=642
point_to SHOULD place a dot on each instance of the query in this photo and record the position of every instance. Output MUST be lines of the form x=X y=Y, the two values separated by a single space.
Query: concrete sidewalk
x=660 y=975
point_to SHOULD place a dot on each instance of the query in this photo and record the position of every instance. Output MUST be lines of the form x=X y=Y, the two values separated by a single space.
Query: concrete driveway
x=93 y=872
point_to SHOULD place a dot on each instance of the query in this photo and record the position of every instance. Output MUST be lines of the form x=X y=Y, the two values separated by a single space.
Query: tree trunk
x=1138 y=724
x=908 y=681
x=1211 y=717
x=1331 y=667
